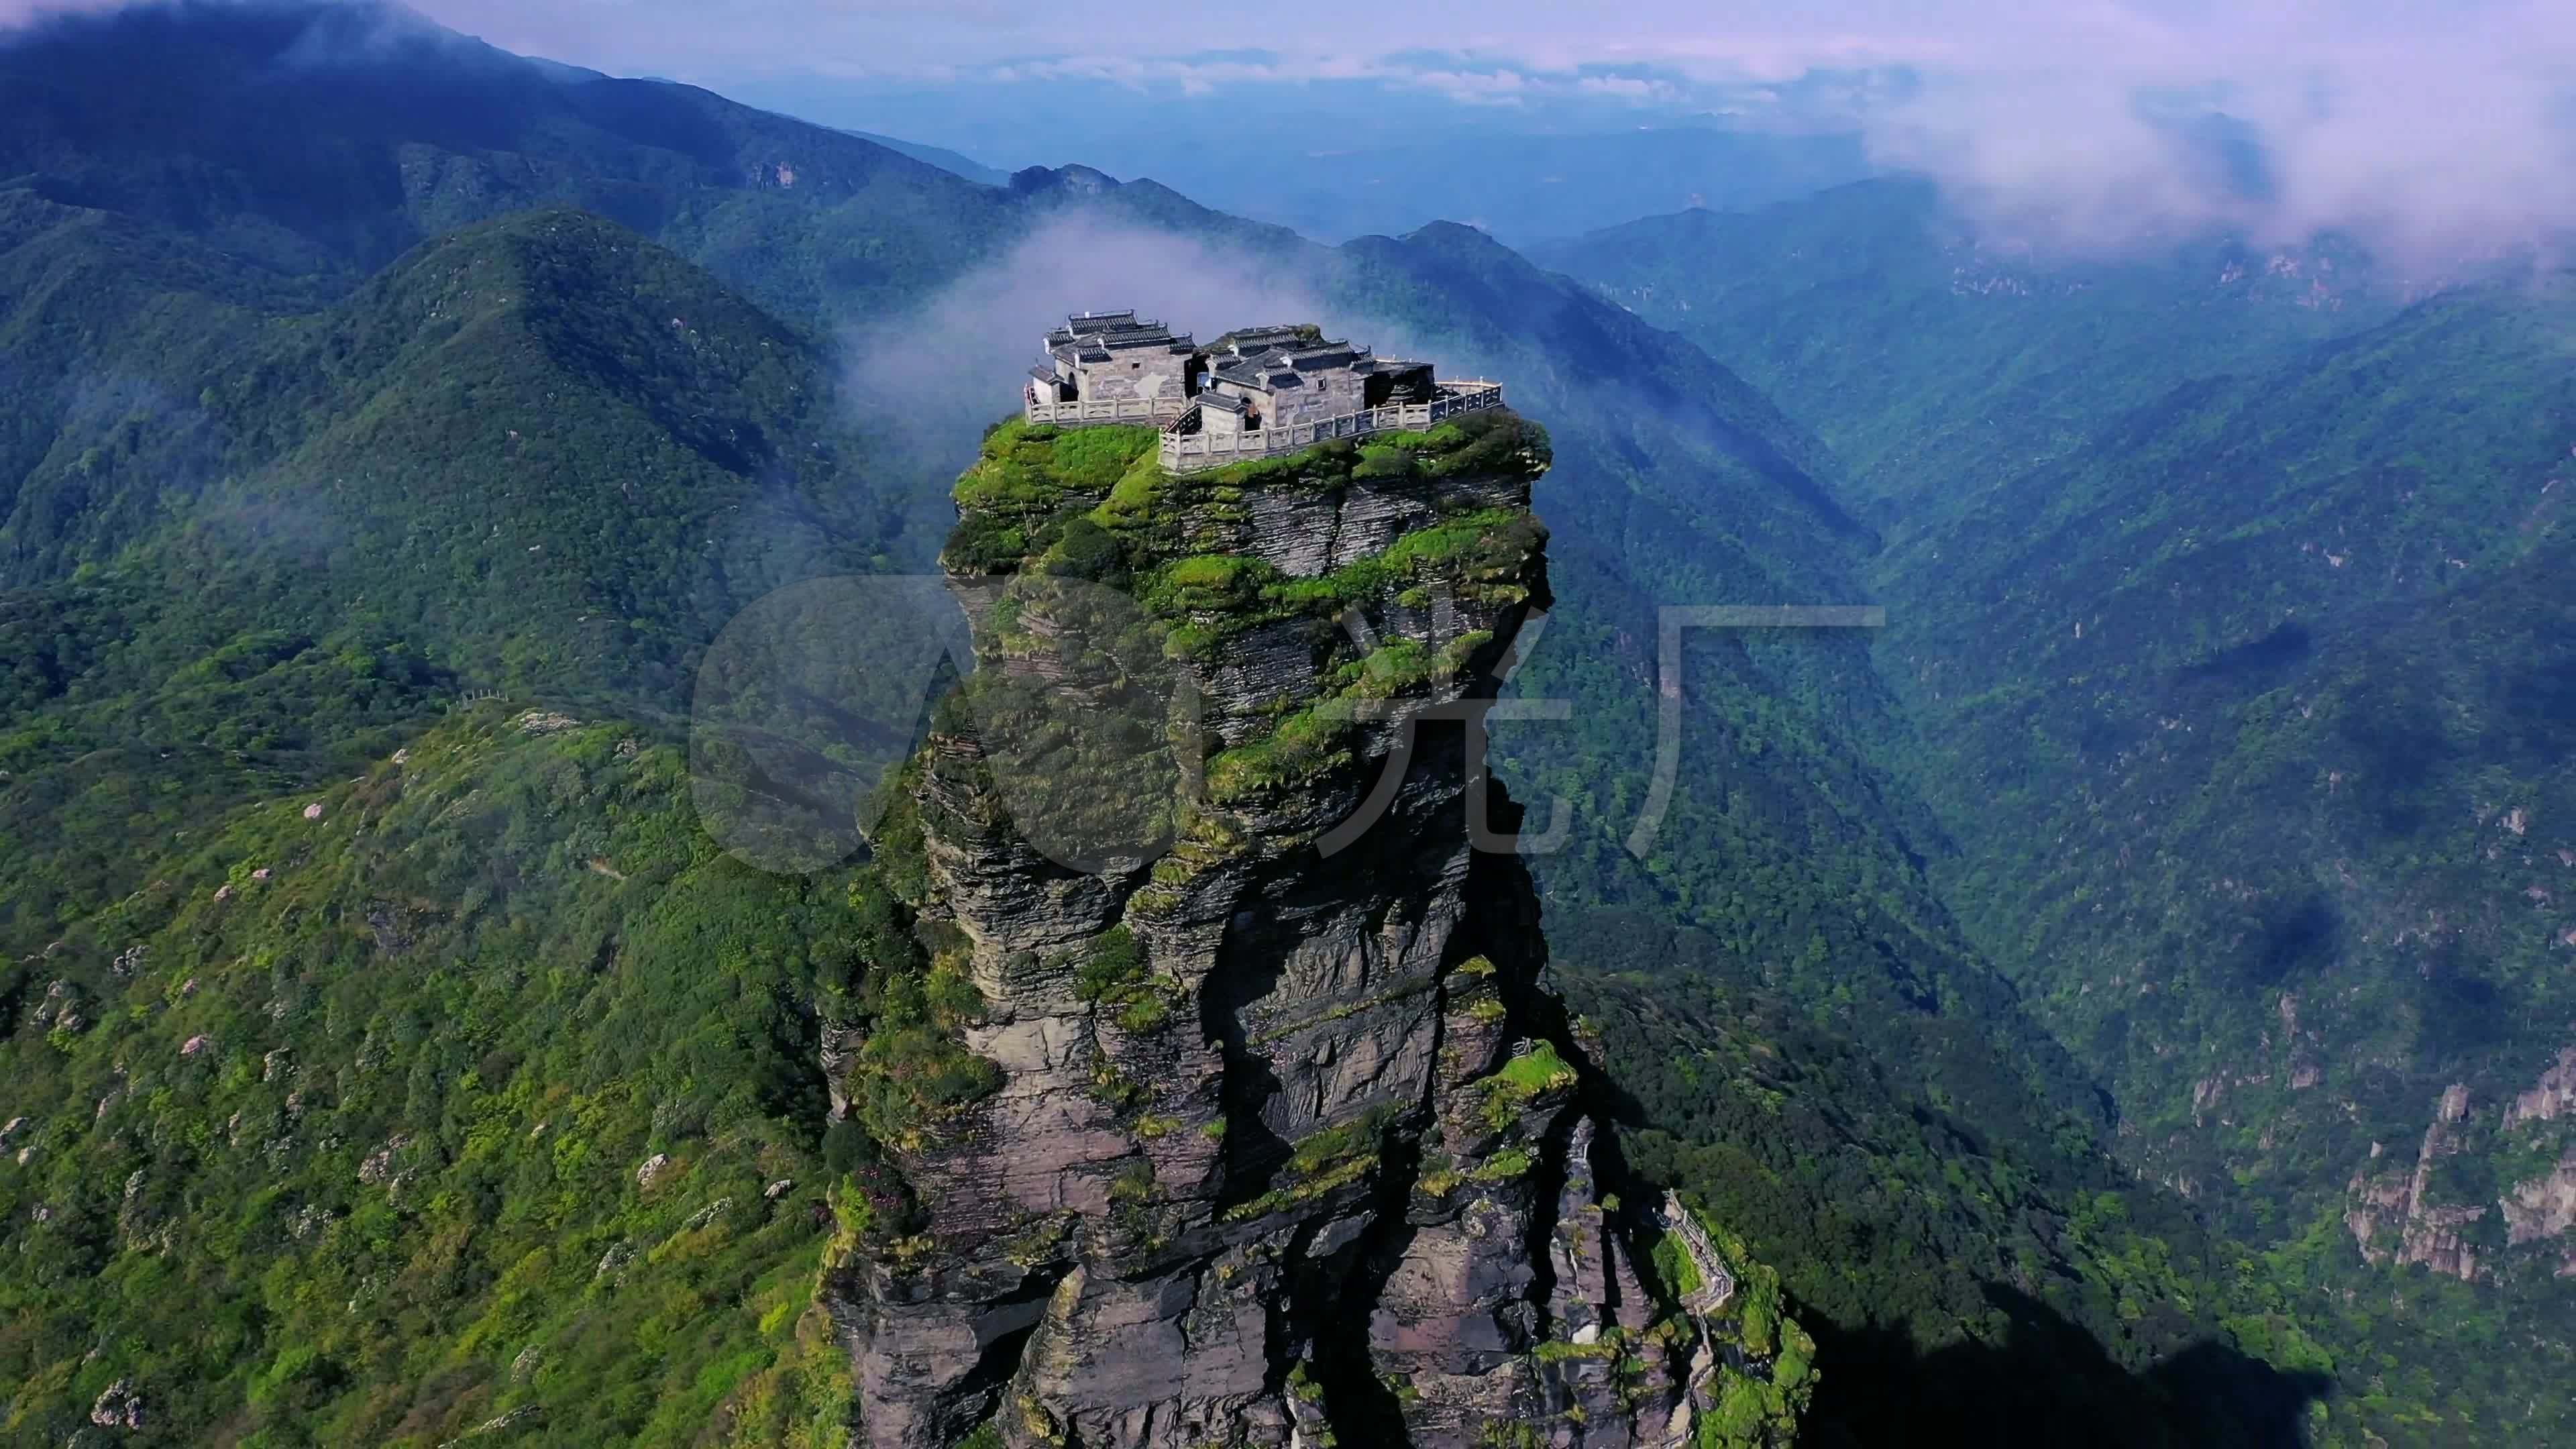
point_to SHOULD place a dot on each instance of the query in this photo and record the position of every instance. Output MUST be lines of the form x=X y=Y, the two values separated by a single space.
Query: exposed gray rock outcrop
x=1282 y=1146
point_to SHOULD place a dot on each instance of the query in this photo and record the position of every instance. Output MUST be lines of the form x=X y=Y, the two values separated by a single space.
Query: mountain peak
x=1334 y=1086
x=356 y=130
x=1080 y=180
x=1454 y=234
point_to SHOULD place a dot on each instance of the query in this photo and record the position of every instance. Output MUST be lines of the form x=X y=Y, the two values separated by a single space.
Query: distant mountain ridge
x=941 y=157
x=1923 y=353
x=334 y=137
x=464 y=375
x=2219 y=596
x=1525 y=189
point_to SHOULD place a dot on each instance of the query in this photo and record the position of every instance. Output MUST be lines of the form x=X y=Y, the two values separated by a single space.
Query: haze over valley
x=618 y=825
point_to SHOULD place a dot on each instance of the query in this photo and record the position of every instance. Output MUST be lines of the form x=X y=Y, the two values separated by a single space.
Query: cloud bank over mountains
x=2430 y=130
x=2433 y=132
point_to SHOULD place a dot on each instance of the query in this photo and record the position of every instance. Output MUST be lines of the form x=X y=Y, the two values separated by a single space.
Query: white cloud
x=989 y=322
x=19 y=12
x=2428 y=127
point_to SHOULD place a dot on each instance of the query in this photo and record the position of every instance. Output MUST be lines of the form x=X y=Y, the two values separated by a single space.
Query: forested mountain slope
x=481 y=1073
x=1931 y=357
x=2221 y=599
x=111 y=324
x=445 y=976
x=1787 y=874
x=2258 y=715
x=320 y=433
x=331 y=138
x=513 y=461
x=553 y=356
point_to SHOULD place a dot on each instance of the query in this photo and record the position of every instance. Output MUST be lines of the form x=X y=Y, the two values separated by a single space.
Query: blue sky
x=2432 y=126
x=2443 y=127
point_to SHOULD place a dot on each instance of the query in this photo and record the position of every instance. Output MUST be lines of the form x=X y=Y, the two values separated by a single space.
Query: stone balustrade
x=1190 y=453
x=1132 y=410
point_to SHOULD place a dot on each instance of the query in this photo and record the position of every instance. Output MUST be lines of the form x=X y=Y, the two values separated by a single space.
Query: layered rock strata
x=1236 y=1121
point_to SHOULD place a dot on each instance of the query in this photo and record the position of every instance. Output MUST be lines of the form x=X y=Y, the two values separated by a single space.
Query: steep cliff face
x=2398 y=1205
x=2523 y=1154
x=1219 y=1097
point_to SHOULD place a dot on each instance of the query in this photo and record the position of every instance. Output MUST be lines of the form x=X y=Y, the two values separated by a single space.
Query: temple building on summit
x=1114 y=368
x=1253 y=392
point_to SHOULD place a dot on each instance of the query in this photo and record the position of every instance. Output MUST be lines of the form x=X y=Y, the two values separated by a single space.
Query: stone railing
x=1140 y=411
x=1192 y=452
x=1716 y=1284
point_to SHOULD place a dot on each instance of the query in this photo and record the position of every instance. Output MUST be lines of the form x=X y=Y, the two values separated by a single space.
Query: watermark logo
x=1671 y=622
x=808 y=703
x=1087 y=728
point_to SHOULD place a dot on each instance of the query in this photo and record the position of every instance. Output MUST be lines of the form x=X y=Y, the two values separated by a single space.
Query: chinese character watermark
x=1085 y=726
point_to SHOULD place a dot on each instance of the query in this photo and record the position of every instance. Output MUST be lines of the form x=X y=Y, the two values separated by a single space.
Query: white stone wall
x=1325 y=395
x=1260 y=400
x=1143 y=373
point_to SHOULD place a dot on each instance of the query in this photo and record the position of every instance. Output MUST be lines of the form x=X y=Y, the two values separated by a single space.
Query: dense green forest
x=2029 y=985
x=2235 y=704
x=477 y=1084
x=1932 y=359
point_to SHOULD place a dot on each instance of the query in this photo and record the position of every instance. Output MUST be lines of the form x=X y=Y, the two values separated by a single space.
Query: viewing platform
x=1133 y=411
x=1194 y=452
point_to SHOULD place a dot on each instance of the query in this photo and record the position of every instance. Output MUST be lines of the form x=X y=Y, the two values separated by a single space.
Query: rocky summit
x=1211 y=1089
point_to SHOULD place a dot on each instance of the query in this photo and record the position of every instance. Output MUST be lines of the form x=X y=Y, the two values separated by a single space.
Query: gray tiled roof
x=1104 y=332
x=1255 y=360
x=1249 y=340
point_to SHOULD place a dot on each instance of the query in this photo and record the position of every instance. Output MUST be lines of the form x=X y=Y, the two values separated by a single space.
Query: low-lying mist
x=933 y=379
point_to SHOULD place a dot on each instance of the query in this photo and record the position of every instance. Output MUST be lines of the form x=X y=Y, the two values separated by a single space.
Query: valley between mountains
x=2129 y=996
